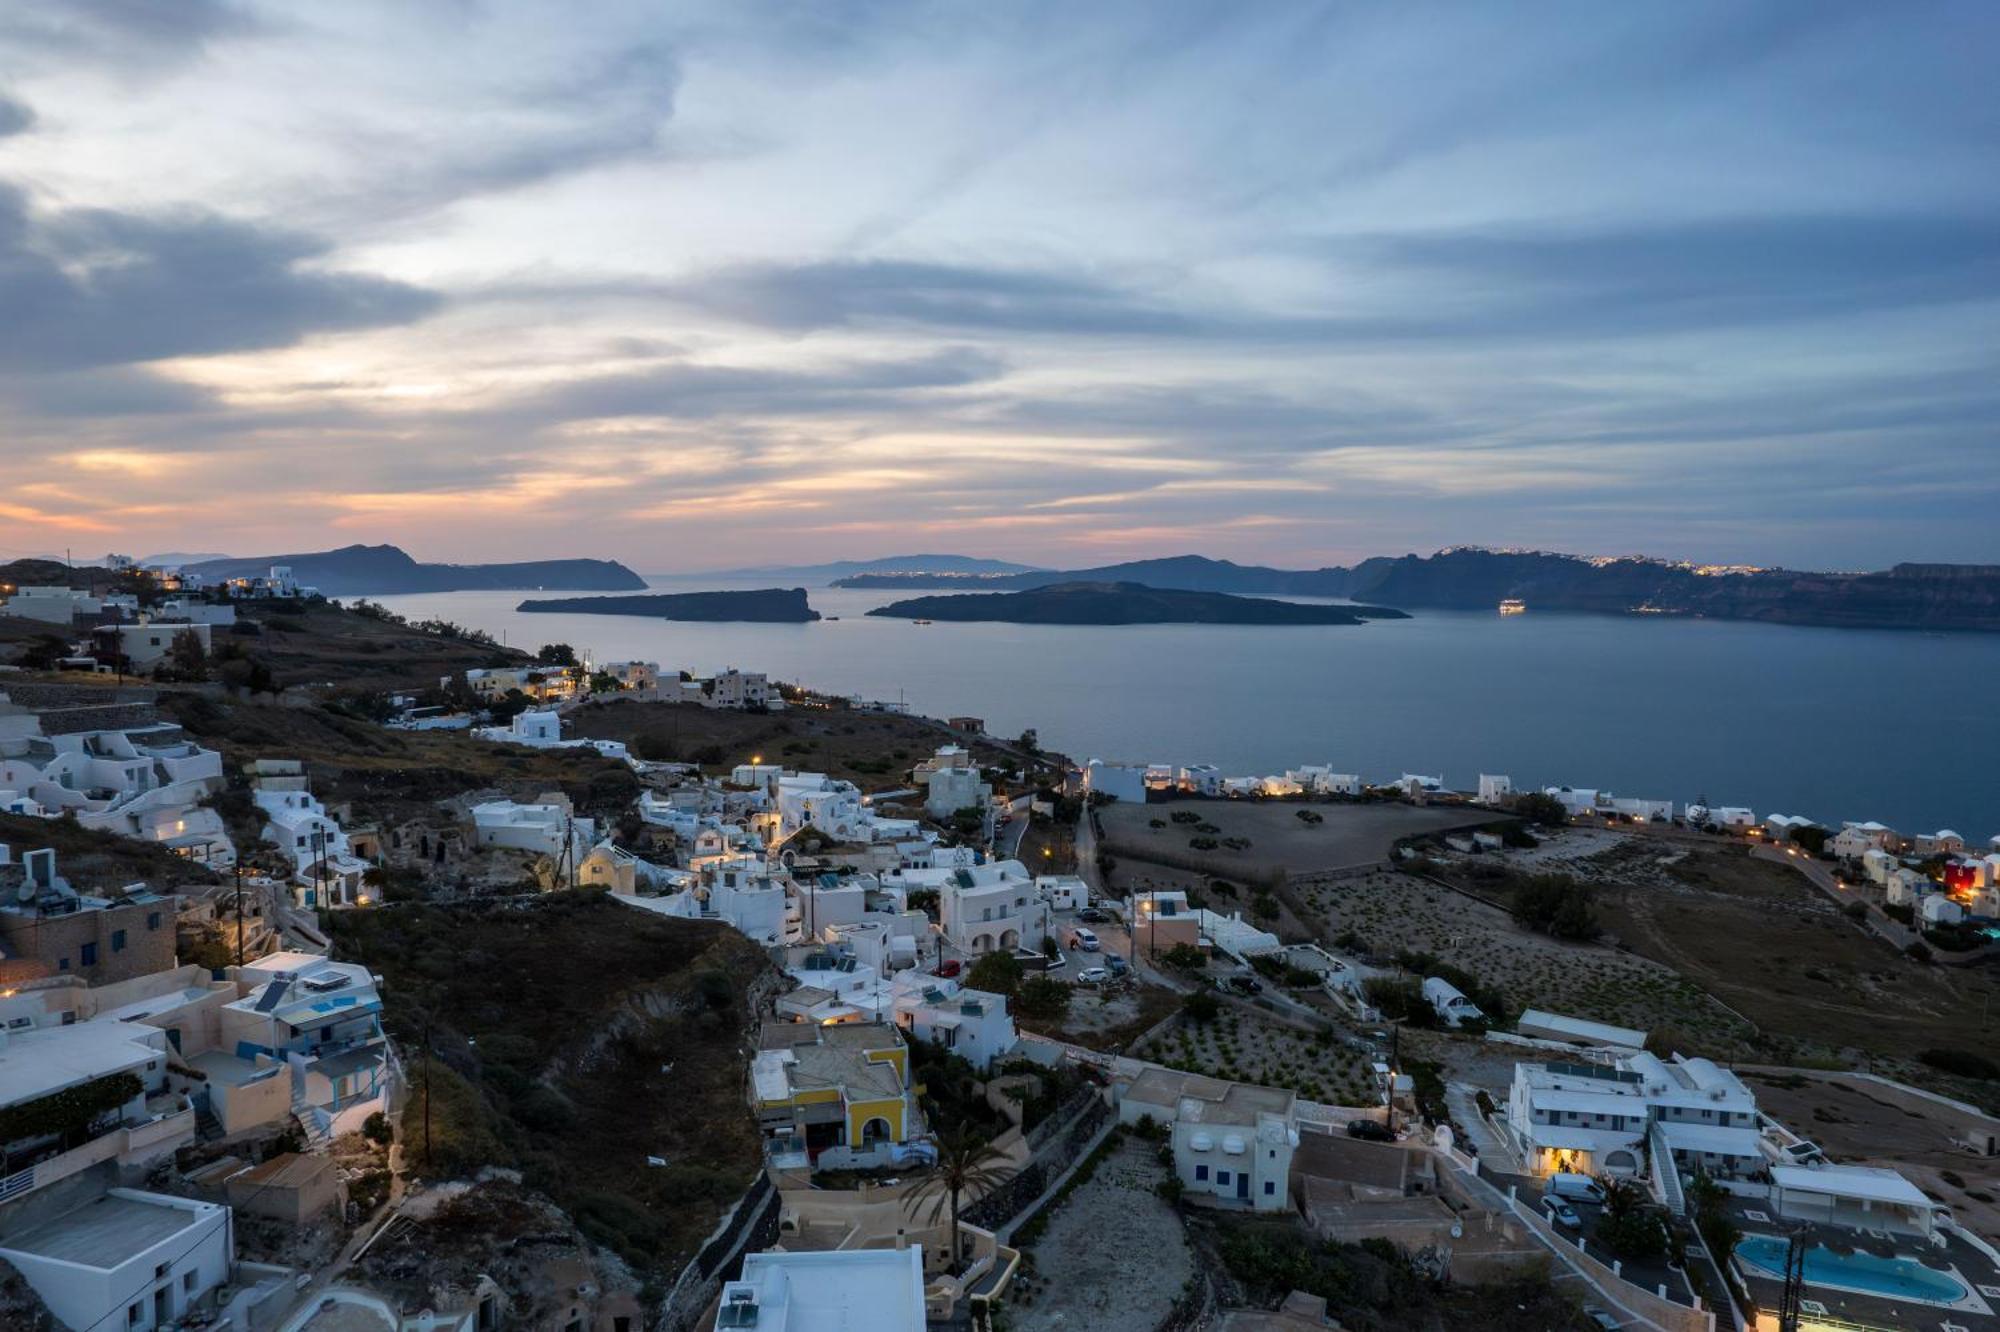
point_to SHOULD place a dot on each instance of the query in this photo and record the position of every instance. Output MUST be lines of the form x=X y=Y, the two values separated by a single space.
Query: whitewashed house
x=972 y=1024
x=1449 y=1002
x=1495 y=788
x=325 y=870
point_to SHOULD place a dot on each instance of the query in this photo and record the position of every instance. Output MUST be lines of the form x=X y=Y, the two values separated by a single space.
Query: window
x=132 y=1316
x=152 y=920
x=1270 y=1188
x=188 y=1277
x=1201 y=1174
x=159 y=1271
x=90 y=955
x=62 y=964
x=1222 y=1178
x=117 y=941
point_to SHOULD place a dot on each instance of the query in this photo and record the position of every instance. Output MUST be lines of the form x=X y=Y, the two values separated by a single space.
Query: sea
x=1830 y=723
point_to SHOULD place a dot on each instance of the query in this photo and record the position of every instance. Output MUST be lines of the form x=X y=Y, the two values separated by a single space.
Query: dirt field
x=1239 y=1046
x=1350 y=834
x=1108 y=1019
x=1389 y=912
x=1759 y=937
x=1114 y=1257
x=874 y=750
x=1855 y=1125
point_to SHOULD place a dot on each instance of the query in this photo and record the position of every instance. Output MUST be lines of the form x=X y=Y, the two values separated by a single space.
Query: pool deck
x=1974 y=1270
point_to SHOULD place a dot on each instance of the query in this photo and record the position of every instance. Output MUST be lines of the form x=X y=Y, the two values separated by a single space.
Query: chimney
x=902 y=1240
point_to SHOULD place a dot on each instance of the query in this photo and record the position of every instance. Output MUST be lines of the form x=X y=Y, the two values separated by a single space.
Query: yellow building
x=834 y=1096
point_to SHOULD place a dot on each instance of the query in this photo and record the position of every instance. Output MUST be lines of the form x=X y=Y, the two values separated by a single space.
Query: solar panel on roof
x=963 y=878
x=274 y=994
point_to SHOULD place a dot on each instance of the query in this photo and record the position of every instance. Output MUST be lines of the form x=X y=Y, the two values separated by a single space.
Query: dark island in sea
x=769 y=605
x=1907 y=596
x=376 y=571
x=1125 y=603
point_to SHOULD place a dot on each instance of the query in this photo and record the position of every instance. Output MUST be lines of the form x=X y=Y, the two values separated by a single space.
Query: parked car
x=1574 y=1187
x=1240 y=984
x=1561 y=1212
x=1369 y=1130
x=1093 y=976
x=1117 y=964
x=948 y=968
x=1093 y=915
x=1081 y=938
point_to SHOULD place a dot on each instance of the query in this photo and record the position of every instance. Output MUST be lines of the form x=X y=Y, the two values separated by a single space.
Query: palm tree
x=964 y=1161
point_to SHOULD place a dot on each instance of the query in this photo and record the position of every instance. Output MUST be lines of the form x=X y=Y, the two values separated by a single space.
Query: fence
x=1192 y=1310
x=1016 y=1200
x=753 y=1222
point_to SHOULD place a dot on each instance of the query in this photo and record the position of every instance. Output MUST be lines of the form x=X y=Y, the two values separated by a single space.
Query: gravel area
x=1114 y=1257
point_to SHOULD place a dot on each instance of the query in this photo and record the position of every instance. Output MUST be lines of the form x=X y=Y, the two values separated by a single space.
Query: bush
x=1899 y=911
x=998 y=973
x=1557 y=906
x=377 y=1129
x=1043 y=997
x=1184 y=957
x=1201 y=1006
x=1543 y=809
x=1962 y=1063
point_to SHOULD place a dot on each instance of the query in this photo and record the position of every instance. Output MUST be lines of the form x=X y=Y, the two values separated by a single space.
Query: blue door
x=1243 y=1185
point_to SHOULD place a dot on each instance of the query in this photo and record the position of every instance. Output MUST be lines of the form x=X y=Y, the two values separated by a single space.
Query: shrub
x=378 y=1130
x=1201 y=1006
x=1042 y=997
x=1184 y=957
x=1962 y=1063
x=998 y=973
x=1557 y=906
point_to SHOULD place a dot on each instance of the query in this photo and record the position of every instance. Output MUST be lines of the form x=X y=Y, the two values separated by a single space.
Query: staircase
x=1666 y=1175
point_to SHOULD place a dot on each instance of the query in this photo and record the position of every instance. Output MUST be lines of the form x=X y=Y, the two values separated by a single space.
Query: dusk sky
x=708 y=286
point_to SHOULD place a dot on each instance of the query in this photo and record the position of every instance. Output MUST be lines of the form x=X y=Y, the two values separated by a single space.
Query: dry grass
x=1242 y=1047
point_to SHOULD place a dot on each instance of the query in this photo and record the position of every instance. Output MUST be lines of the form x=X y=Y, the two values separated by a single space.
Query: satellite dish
x=1458 y=1230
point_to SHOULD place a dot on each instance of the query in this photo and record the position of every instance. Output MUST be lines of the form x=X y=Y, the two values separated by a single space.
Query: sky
x=706 y=286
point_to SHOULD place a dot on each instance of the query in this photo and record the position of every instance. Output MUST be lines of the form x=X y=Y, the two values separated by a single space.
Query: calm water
x=1835 y=724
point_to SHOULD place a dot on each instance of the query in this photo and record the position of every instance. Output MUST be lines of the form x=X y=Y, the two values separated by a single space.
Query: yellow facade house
x=834 y=1097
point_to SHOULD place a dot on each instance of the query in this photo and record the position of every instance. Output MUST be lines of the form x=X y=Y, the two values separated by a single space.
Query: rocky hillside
x=576 y=1039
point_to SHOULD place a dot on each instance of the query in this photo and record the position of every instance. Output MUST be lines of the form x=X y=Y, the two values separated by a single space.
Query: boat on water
x=920 y=622
x=1513 y=606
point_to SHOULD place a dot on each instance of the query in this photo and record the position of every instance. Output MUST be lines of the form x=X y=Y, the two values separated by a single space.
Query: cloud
x=125 y=32
x=97 y=287
x=693 y=391
x=15 y=117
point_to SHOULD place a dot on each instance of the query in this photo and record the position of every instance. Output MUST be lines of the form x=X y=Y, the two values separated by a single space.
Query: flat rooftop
x=43 y=1060
x=111 y=1231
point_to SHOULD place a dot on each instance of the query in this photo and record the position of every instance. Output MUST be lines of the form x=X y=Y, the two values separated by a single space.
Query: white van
x=1575 y=1187
x=1079 y=937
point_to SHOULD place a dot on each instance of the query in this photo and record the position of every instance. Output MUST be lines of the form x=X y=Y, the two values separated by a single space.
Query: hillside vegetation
x=574 y=1038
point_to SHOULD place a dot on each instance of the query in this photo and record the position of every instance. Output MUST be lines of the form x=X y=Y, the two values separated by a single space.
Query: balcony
x=168 y=1121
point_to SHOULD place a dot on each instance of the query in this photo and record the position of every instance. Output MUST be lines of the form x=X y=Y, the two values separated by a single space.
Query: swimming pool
x=1892 y=1278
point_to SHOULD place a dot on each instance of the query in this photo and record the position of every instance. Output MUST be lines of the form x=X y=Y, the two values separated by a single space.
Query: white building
x=1232 y=934
x=1856 y=1197
x=1231 y=1141
x=983 y=907
x=323 y=1020
x=547 y=827
x=1203 y=779
x=1118 y=781
x=878 y=1289
x=1494 y=788
x=141 y=781
x=1449 y=1002
x=150 y=1121
x=141 y=648
x=737 y=689
x=972 y=1024
x=1937 y=909
x=126 y=1260
x=1734 y=817
x=325 y=870
x=955 y=788
x=50 y=604
x=1547 y=1026
x=1063 y=892
x=1855 y=839
x=1589 y=800
x=836 y=808
x=1602 y=1119
x=1944 y=842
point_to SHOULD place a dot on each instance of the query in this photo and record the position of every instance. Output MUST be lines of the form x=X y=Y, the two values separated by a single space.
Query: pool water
x=1894 y=1278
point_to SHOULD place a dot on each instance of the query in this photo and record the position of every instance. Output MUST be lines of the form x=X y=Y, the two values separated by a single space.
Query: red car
x=949 y=968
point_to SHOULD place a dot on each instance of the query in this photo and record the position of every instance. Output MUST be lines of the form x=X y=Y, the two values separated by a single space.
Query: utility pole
x=239 y=912
x=427 y=1090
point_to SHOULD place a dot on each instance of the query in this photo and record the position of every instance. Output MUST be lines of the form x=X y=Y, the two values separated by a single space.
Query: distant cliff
x=1124 y=603
x=1909 y=596
x=388 y=570
x=771 y=605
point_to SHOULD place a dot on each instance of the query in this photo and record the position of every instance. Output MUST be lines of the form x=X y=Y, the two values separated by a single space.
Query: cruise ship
x=1513 y=606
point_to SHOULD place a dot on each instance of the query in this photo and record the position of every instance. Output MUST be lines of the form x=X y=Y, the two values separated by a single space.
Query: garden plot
x=1112 y=1257
x=1383 y=914
x=1241 y=1047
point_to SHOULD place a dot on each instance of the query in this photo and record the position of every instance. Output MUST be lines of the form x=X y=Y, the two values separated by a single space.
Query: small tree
x=1629 y=1228
x=997 y=973
x=556 y=654
x=1044 y=998
x=1201 y=1006
x=187 y=657
x=1185 y=957
x=965 y=1161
